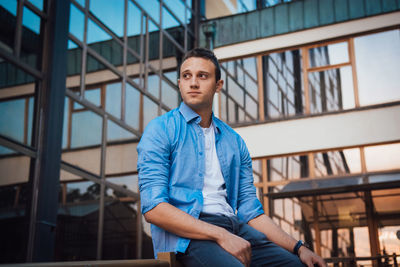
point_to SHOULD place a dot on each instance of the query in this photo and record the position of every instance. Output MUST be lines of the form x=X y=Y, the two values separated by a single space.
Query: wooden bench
x=165 y=259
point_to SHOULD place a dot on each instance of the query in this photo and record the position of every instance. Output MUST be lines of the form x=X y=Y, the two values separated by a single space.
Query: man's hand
x=309 y=258
x=235 y=245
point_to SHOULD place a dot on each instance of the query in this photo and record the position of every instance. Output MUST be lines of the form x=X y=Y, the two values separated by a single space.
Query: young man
x=196 y=183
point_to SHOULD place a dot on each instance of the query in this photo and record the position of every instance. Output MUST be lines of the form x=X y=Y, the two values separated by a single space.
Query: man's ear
x=179 y=82
x=219 y=85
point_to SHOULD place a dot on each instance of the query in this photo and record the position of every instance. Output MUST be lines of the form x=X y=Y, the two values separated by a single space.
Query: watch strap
x=297 y=247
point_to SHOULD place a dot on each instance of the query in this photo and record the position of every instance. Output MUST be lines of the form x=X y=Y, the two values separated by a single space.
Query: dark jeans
x=208 y=253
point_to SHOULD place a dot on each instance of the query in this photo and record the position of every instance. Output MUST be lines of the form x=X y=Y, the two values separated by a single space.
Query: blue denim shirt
x=171 y=167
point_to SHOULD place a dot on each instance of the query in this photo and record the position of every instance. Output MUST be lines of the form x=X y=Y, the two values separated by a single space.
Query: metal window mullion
x=20 y=64
x=84 y=52
x=36 y=10
x=160 y=60
x=26 y=118
x=101 y=112
x=102 y=187
x=173 y=41
x=96 y=179
x=105 y=28
x=21 y=148
x=141 y=50
x=124 y=61
x=18 y=29
x=183 y=24
x=185 y=45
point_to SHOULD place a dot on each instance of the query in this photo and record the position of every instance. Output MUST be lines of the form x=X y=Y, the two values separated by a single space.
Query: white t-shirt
x=214 y=188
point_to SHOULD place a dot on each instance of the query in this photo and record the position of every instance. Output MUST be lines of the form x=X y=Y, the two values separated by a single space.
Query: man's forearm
x=266 y=225
x=173 y=220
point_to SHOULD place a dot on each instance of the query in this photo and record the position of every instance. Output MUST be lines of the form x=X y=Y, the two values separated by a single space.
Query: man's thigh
x=202 y=253
x=265 y=252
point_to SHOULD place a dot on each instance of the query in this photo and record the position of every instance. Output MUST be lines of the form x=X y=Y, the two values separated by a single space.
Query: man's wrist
x=297 y=247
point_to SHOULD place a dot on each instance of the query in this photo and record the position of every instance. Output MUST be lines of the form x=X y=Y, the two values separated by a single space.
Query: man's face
x=197 y=83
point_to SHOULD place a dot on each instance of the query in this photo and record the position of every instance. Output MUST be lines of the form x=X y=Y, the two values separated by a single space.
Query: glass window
x=150 y=110
x=77 y=221
x=152 y=7
x=86 y=129
x=111 y=13
x=132 y=106
x=169 y=95
x=329 y=55
x=378 y=63
x=76 y=22
x=12 y=119
x=8 y=32
x=37 y=3
x=116 y=132
x=331 y=90
x=31 y=21
x=135 y=27
x=382 y=157
x=113 y=99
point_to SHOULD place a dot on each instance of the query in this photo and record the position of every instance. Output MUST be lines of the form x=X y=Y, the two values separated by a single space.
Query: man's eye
x=203 y=75
x=185 y=75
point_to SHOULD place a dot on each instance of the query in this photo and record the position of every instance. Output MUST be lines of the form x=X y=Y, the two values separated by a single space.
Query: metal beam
x=48 y=135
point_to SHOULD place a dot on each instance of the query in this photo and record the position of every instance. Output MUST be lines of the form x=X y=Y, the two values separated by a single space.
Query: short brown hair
x=204 y=53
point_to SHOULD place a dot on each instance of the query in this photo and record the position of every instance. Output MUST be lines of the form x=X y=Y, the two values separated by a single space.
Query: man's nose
x=194 y=83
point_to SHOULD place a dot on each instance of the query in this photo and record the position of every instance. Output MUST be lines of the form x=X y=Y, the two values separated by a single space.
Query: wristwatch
x=297 y=247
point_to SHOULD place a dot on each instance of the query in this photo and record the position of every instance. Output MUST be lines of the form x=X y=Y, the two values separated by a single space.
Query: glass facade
x=121 y=72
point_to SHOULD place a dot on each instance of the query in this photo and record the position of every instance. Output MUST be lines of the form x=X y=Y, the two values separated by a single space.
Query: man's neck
x=205 y=118
x=205 y=115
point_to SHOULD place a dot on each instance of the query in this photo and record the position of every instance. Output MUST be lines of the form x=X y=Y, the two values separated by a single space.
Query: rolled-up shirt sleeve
x=249 y=206
x=153 y=166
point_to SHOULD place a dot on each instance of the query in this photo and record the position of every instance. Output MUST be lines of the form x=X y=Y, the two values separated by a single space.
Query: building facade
x=312 y=86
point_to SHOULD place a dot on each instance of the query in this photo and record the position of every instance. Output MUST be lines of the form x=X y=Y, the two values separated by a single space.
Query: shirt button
x=201 y=175
x=201 y=153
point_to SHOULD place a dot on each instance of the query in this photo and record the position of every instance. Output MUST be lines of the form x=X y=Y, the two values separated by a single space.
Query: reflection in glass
x=113 y=99
x=37 y=3
x=382 y=157
x=31 y=43
x=110 y=13
x=179 y=9
x=31 y=21
x=96 y=72
x=153 y=85
x=329 y=55
x=283 y=87
x=13 y=222
x=13 y=121
x=132 y=106
x=331 y=90
x=117 y=133
x=378 y=63
x=86 y=129
x=103 y=44
x=77 y=222
x=8 y=9
x=150 y=111
x=337 y=162
x=135 y=27
x=152 y=7
x=76 y=22
x=74 y=63
x=14 y=167
x=82 y=139
x=129 y=181
x=169 y=95
x=287 y=168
